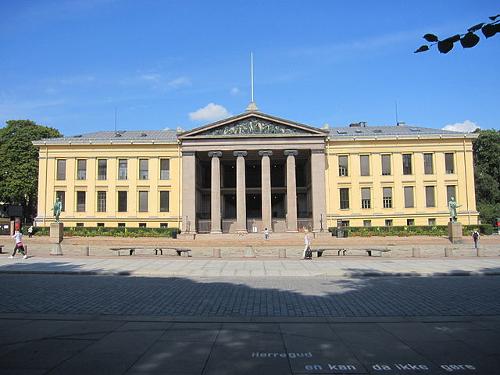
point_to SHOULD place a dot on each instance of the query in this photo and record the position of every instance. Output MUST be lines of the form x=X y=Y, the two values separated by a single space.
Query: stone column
x=215 y=192
x=318 y=190
x=291 y=191
x=241 y=204
x=266 y=189
x=188 y=192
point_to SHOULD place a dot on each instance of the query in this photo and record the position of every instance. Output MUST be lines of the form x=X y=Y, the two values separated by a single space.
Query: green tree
x=19 y=162
x=487 y=174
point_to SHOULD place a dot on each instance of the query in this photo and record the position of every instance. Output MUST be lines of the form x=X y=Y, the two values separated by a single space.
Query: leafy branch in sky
x=467 y=40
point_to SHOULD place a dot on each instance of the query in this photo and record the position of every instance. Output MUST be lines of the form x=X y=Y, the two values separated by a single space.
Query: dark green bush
x=486 y=229
x=401 y=231
x=112 y=232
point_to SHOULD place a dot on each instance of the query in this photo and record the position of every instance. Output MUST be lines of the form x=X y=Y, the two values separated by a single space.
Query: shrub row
x=112 y=232
x=404 y=231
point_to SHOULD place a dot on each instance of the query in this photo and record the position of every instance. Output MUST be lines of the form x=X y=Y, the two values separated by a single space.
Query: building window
x=164 y=225
x=386 y=165
x=122 y=169
x=387 y=197
x=102 y=169
x=79 y=225
x=410 y=222
x=343 y=166
x=367 y=223
x=451 y=191
x=122 y=201
x=366 y=201
x=143 y=169
x=364 y=161
x=344 y=199
x=164 y=201
x=428 y=164
x=142 y=225
x=101 y=201
x=449 y=163
x=81 y=166
x=62 y=197
x=407 y=168
x=61 y=169
x=388 y=222
x=80 y=201
x=143 y=201
x=409 y=201
x=121 y=225
x=430 y=200
x=343 y=223
x=100 y=225
x=431 y=221
x=164 y=169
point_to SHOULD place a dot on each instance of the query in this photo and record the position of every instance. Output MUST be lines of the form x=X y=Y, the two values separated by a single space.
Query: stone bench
x=132 y=249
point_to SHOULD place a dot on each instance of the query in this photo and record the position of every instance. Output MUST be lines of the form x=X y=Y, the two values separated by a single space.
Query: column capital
x=214 y=154
x=265 y=153
x=290 y=152
x=240 y=153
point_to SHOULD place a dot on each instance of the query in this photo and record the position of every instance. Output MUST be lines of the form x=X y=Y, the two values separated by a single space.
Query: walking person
x=18 y=237
x=475 y=237
x=307 y=254
x=30 y=231
x=266 y=233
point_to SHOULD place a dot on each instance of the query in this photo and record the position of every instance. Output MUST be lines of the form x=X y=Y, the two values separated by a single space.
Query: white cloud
x=150 y=77
x=465 y=127
x=77 y=80
x=235 y=91
x=210 y=112
x=179 y=82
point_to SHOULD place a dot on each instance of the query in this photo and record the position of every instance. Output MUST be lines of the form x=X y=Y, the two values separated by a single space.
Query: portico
x=251 y=172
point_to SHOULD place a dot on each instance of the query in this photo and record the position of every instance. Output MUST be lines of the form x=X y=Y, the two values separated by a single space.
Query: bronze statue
x=57 y=209
x=452 y=206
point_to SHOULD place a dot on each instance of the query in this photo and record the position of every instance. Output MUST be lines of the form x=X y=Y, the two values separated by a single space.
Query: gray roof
x=405 y=131
x=335 y=133
x=120 y=136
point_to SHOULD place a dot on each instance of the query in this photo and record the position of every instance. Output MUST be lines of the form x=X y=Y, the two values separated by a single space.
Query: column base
x=215 y=232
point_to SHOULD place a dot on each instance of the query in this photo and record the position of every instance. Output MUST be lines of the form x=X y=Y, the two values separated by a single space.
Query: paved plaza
x=179 y=315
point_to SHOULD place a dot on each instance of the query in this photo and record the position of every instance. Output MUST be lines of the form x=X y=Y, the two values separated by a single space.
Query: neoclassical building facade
x=255 y=171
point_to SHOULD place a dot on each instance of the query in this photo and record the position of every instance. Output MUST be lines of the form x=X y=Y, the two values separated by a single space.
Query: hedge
x=111 y=232
x=410 y=230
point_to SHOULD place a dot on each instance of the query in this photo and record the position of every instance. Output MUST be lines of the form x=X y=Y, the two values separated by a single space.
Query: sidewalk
x=186 y=267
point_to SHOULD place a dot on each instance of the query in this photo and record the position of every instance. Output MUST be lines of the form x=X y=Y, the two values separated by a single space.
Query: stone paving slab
x=346 y=267
x=138 y=346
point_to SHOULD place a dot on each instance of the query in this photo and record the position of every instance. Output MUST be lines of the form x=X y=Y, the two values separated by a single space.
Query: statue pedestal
x=56 y=237
x=455 y=232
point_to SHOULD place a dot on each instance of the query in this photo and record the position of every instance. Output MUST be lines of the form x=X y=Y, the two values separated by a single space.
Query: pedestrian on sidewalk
x=30 y=231
x=475 y=237
x=266 y=233
x=18 y=237
x=307 y=254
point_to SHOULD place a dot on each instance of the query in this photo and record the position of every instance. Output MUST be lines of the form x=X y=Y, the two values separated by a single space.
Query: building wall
x=48 y=184
x=462 y=178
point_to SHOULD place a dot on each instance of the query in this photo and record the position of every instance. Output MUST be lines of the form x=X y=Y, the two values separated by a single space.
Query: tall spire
x=252 y=106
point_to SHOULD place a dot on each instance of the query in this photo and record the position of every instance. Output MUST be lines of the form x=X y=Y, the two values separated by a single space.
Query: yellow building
x=256 y=171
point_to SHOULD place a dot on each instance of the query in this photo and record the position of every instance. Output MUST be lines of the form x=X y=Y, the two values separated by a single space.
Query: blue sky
x=165 y=64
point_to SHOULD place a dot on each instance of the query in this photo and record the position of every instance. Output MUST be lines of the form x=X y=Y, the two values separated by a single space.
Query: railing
x=304 y=223
x=204 y=226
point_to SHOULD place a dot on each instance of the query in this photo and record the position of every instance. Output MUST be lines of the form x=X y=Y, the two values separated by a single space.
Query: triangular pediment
x=252 y=124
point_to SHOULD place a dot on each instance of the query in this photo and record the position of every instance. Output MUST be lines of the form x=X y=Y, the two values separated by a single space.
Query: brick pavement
x=205 y=267
x=321 y=297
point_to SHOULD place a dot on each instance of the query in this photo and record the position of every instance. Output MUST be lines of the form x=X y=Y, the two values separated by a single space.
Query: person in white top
x=18 y=237
x=307 y=243
x=266 y=233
